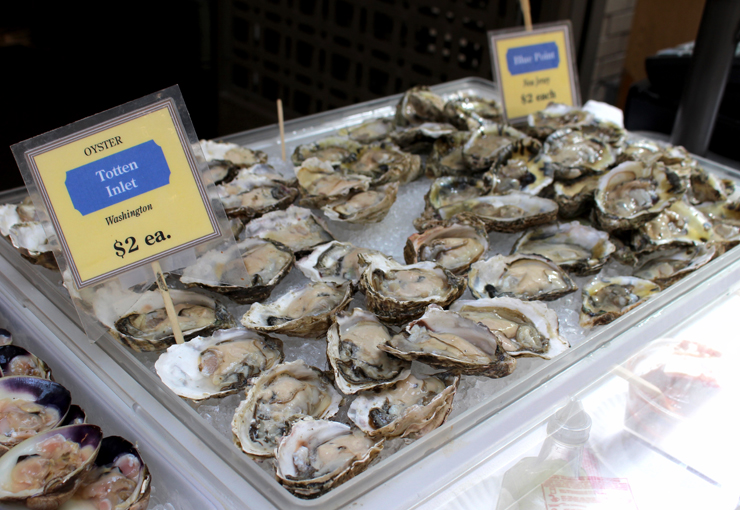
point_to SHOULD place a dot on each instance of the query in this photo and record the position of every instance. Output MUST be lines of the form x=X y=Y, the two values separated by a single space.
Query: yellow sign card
x=534 y=68
x=123 y=193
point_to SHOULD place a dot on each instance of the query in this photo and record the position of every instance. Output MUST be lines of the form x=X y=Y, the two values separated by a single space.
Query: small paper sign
x=534 y=68
x=122 y=188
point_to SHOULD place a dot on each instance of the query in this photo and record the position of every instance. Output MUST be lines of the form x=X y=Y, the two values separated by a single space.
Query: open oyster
x=15 y=360
x=335 y=150
x=665 y=267
x=446 y=157
x=556 y=116
x=449 y=190
x=29 y=406
x=471 y=112
x=146 y=327
x=397 y=293
x=454 y=246
x=384 y=162
x=373 y=130
x=352 y=350
x=255 y=191
x=221 y=270
x=522 y=166
x=418 y=105
x=411 y=407
x=420 y=138
x=45 y=470
x=575 y=197
x=526 y=277
x=505 y=213
x=321 y=184
x=29 y=238
x=605 y=299
x=267 y=263
x=218 y=365
x=487 y=143
x=371 y=206
x=304 y=312
x=577 y=248
x=334 y=262
x=633 y=193
x=233 y=153
x=575 y=154
x=523 y=328
x=296 y=227
x=448 y=340
x=318 y=455
x=681 y=224
x=119 y=479
x=278 y=397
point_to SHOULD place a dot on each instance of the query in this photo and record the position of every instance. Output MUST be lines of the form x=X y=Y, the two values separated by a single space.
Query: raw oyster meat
x=398 y=293
x=419 y=139
x=29 y=406
x=522 y=166
x=681 y=224
x=352 y=350
x=267 y=263
x=577 y=248
x=418 y=105
x=633 y=193
x=575 y=197
x=119 y=479
x=487 y=143
x=526 y=277
x=305 y=311
x=471 y=112
x=45 y=470
x=445 y=339
x=335 y=150
x=146 y=327
x=221 y=270
x=607 y=298
x=278 y=397
x=665 y=267
x=15 y=360
x=513 y=212
x=232 y=153
x=296 y=227
x=446 y=157
x=574 y=154
x=384 y=162
x=318 y=455
x=321 y=184
x=371 y=206
x=373 y=130
x=218 y=365
x=454 y=246
x=255 y=191
x=334 y=262
x=556 y=116
x=524 y=328
x=411 y=407
x=449 y=190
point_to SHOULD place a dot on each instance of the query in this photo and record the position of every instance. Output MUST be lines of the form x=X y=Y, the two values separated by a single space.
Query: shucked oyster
x=296 y=227
x=335 y=150
x=556 y=116
x=524 y=328
x=411 y=407
x=321 y=184
x=255 y=191
x=522 y=166
x=146 y=327
x=448 y=340
x=505 y=213
x=278 y=397
x=352 y=350
x=373 y=130
x=681 y=224
x=318 y=455
x=446 y=157
x=218 y=365
x=574 y=154
x=334 y=262
x=370 y=206
x=384 y=162
x=304 y=312
x=419 y=105
x=233 y=153
x=605 y=299
x=471 y=112
x=665 y=267
x=487 y=143
x=526 y=277
x=396 y=293
x=267 y=263
x=419 y=139
x=454 y=246
x=449 y=190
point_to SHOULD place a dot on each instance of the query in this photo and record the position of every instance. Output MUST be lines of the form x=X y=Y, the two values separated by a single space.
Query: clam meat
x=15 y=360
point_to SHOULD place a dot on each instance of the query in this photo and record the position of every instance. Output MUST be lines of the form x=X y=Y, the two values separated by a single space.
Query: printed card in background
x=124 y=192
x=534 y=68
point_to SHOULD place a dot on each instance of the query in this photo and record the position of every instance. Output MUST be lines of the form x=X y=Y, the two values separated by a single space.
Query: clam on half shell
x=15 y=360
x=524 y=328
x=318 y=455
x=411 y=407
x=278 y=397
x=353 y=353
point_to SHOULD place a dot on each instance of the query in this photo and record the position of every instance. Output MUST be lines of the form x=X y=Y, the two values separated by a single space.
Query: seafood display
x=360 y=348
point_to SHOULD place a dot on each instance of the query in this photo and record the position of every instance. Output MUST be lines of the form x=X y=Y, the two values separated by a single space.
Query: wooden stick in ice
x=282 y=127
x=168 y=306
x=527 y=14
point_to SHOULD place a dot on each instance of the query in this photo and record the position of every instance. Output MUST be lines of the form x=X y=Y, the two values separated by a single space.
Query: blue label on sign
x=116 y=178
x=537 y=57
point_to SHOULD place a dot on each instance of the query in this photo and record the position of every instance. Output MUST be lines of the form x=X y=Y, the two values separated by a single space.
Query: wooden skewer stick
x=168 y=305
x=282 y=127
x=527 y=14
x=649 y=388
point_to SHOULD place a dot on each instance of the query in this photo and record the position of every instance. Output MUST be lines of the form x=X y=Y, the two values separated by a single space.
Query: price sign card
x=122 y=188
x=534 y=68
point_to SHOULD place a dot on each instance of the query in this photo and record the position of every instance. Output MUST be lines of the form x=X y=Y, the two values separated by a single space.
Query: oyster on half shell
x=513 y=212
x=454 y=246
x=334 y=262
x=370 y=206
x=296 y=227
x=605 y=299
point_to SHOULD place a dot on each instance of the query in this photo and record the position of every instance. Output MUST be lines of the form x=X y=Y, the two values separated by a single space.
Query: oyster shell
x=352 y=350
x=318 y=455
x=278 y=397
x=445 y=339
x=471 y=112
x=233 y=153
x=255 y=191
x=446 y=157
x=575 y=198
x=556 y=116
x=513 y=212
x=525 y=277
x=411 y=407
x=633 y=193
x=607 y=298
x=373 y=130
x=680 y=224
x=334 y=262
x=146 y=327
x=29 y=238
x=45 y=470
x=418 y=105
x=296 y=227
x=454 y=246
x=371 y=206
x=221 y=172
x=384 y=162
x=449 y=190
x=574 y=154
x=305 y=312
x=321 y=184
x=487 y=143
x=577 y=248
x=267 y=263
x=397 y=293
x=522 y=166
x=419 y=139
x=665 y=267
x=523 y=328
x=218 y=365
x=335 y=150
x=16 y=360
